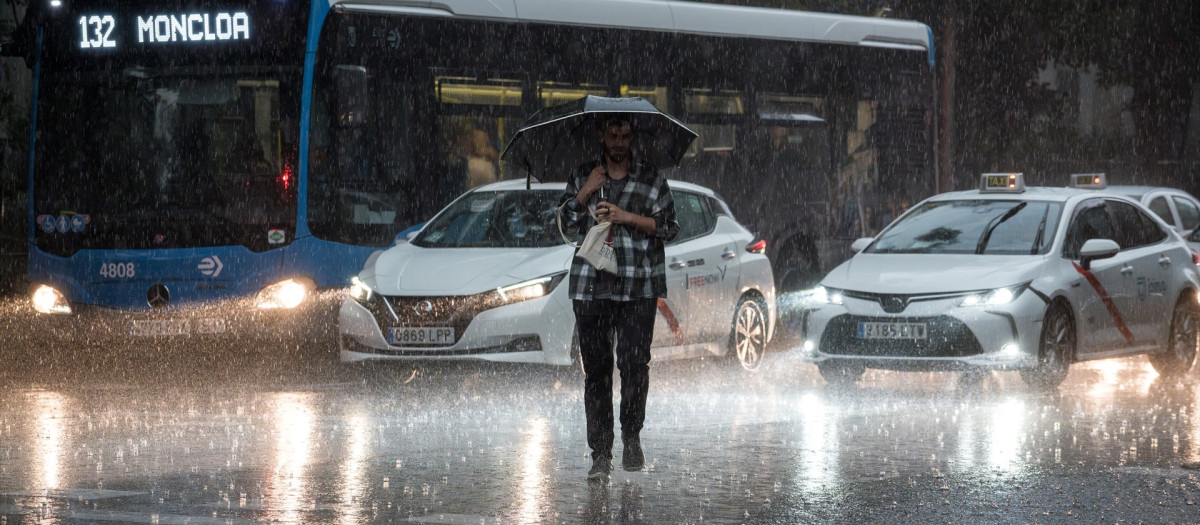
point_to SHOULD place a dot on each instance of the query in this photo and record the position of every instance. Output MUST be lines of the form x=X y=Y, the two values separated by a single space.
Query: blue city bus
x=221 y=168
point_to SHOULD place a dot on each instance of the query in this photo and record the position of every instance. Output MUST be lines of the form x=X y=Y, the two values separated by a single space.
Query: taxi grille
x=426 y=312
x=946 y=337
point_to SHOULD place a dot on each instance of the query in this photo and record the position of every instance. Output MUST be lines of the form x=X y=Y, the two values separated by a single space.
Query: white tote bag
x=593 y=249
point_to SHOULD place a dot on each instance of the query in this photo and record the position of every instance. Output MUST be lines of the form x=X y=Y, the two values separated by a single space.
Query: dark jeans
x=630 y=326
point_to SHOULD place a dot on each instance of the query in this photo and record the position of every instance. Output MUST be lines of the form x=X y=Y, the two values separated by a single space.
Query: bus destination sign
x=105 y=31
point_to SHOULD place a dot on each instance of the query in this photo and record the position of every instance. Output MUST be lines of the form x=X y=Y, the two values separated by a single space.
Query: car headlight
x=524 y=290
x=366 y=296
x=825 y=295
x=286 y=294
x=994 y=297
x=48 y=300
x=359 y=291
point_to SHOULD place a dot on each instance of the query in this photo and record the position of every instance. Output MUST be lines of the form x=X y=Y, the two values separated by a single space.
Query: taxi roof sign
x=1091 y=181
x=1002 y=183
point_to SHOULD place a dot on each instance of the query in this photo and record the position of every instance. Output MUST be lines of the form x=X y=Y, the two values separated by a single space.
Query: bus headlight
x=47 y=300
x=286 y=294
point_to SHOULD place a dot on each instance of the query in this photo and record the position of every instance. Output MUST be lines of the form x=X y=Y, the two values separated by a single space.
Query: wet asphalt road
x=254 y=434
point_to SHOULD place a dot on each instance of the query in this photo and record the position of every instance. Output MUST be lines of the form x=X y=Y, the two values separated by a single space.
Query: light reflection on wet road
x=219 y=435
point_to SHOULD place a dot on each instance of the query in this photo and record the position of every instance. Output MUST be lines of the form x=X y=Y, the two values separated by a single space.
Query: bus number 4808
x=116 y=270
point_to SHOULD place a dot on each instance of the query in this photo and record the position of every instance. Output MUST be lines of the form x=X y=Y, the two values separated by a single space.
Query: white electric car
x=1009 y=277
x=486 y=279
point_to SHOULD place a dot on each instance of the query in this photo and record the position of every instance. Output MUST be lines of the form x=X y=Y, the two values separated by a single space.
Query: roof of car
x=519 y=184
x=1047 y=193
x=1138 y=192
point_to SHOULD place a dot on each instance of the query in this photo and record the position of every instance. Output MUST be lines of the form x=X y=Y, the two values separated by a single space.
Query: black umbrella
x=558 y=138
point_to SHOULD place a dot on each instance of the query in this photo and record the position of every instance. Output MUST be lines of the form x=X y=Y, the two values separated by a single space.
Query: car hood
x=921 y=273
x=411 y=270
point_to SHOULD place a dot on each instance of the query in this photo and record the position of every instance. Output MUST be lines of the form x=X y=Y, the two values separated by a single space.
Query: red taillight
x=285 y=177
x=758 y=246
x=1195 y=258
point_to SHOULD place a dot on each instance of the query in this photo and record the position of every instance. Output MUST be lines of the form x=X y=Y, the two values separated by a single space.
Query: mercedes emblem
x=158 y=296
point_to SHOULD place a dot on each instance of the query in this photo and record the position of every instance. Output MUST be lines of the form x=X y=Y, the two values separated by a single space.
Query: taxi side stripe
x=1108 y=302
x=672 y=323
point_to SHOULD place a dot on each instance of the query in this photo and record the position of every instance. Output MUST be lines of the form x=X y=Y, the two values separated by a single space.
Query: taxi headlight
x=359 y=291
x=994 y=297
x=48 y=300
x=531 y=289
x=825 y=295
x=524 y=290
x=286 y=294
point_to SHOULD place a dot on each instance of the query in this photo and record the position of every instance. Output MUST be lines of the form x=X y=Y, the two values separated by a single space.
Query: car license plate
x=160 y=327
x=875 y=330
x=442 y=335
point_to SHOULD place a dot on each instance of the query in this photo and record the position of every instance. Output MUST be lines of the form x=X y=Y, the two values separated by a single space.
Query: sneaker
x=601 y=466
x=633 y=458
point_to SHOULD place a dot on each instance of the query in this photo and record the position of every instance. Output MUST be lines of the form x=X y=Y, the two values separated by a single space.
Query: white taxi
x=486 y=279
x=1178 y=208
x=1009 y=277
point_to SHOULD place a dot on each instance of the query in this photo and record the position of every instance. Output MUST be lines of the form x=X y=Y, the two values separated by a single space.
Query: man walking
x=615 y=312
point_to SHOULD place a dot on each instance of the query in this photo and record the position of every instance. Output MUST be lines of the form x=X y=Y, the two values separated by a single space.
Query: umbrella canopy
x=558 y=138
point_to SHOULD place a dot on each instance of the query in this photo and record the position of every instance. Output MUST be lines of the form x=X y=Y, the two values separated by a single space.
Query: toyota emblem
x=893 y=304
x=158 y=296
x=423 y=307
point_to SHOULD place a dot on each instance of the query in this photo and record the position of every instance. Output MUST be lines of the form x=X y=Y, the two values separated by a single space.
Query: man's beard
x=616 y=157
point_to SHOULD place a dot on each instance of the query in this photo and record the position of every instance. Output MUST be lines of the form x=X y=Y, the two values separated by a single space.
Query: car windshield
x=1004 y=227
x=495 y=219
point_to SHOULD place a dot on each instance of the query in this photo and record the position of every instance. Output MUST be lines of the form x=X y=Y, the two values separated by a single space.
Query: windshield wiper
x=1037 y=241
x=992 y=224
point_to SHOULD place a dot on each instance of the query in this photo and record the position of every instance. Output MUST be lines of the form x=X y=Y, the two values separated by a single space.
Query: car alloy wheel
x=1180 y=354
x=749 y=334
x=1056 y=349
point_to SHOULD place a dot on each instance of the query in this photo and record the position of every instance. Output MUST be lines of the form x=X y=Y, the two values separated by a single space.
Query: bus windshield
x=167 y=158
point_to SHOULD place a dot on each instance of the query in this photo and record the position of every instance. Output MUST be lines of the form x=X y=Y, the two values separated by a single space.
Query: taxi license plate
x=442 y=335
x=876 y=330
x=175 y=327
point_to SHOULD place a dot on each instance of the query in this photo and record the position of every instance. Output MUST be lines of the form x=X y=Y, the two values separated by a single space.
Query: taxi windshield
x=993 y=227
x=495 y=219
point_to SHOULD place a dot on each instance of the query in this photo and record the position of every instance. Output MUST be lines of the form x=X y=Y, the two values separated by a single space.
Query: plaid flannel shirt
x=641 y=261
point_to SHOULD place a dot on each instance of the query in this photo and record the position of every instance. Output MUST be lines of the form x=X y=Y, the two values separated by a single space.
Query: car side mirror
x=861 y=244
x=1094 y=249
x=408 y=234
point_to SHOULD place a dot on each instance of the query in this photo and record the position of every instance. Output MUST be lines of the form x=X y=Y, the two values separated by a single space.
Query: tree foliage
x=1007 y=119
